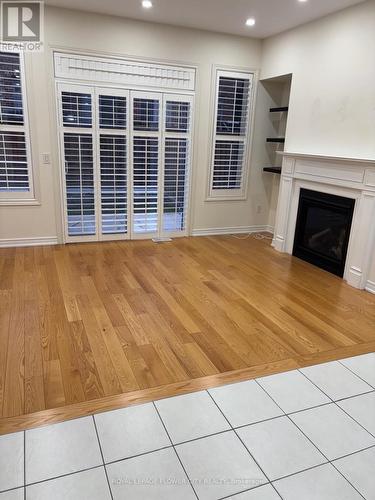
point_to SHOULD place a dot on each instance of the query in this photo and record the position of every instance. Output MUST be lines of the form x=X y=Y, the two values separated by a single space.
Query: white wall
x=332 y=101
x=332 y=104
x=104 y=34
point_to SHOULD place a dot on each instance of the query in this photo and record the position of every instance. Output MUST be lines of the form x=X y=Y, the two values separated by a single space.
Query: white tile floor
x=302 y=435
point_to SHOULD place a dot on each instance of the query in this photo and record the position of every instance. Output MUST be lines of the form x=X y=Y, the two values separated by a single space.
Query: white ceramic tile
x=364 y=366
x=245 y=403
x=265 y=492
x=359 y=470
x=292 y=391
x=130 y=431
x=11 y=461
x=280 y=448
x=154 y=476
x=335 y=380
x=61 y=449
x=321 y=483
x=362 y=409
x=13 y=495
x=87 y=485
x=219 y=466
x=332 y=431
x=191 y=416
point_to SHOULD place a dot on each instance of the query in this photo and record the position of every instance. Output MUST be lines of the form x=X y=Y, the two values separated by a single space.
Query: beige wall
x=101 y=34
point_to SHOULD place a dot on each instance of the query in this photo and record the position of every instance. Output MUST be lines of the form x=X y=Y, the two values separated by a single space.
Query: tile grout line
x=229 y=497
x=101 y=453
x=354 y=396
x=59 y=477
x=320 y=451
x=246 y=448
x=354 y=420
x=111 y=462
x=352 y=371
x=350 y=416
x=335 y=402
x=174 y=449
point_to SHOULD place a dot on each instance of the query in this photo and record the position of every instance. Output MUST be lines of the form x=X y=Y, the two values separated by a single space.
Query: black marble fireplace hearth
x=323 y=229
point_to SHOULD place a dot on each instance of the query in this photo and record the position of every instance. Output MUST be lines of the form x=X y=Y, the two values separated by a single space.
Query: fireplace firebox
x=323 y=229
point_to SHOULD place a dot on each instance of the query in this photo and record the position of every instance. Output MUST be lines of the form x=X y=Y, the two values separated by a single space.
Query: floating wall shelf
x=279 y=140
x=278 y=110
x=272 y=170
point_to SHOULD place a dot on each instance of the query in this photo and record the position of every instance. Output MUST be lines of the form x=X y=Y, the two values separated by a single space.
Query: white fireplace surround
x=348 y=177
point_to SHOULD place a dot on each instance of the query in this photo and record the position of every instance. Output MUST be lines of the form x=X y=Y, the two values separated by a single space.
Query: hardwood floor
x=94 y=326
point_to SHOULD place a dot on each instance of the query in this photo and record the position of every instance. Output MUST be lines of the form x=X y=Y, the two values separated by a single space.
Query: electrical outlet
x=46 y=158
x=259 y=209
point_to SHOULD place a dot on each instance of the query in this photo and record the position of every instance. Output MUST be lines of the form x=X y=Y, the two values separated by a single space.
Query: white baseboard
x=231 y=230
x=28 y=242
x=370 y=286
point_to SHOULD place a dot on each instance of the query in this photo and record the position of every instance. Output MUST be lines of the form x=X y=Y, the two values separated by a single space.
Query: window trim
x=27 y=197
x=231 y=72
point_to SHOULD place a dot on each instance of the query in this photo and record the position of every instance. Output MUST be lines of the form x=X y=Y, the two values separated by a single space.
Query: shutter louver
x=14 y=175
x=228 y=163
x=14 y=160
x=76 y=109
x=112 y=112
x=11 y=108
x=113 y=184
x=79 y=181
x=177 y=116
x=145 y=184
x=232 y=106
x=145 y=114
x=175 y=184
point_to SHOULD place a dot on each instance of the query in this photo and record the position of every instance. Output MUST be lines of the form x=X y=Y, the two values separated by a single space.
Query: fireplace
x=322 y=229
x=342 y=180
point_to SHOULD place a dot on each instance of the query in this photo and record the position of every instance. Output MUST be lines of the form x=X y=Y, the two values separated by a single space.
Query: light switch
x=46 y=158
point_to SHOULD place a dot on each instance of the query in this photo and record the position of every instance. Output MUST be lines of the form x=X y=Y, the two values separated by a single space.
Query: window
x=15 y=174
x=231 y=134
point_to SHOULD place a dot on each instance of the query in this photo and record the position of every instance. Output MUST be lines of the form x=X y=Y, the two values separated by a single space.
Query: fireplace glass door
x=323 y=230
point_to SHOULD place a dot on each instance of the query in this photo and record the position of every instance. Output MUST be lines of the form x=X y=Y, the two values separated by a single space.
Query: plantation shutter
x=146 y=152
x=177 y=133
x=14 y=146
x=113 y=160
x=77 y=120
x=231 y=132
x=79 y=182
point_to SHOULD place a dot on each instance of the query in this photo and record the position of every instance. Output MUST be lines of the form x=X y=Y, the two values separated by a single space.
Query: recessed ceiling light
x=302 y=1
x=146 y=4
x=250 y=21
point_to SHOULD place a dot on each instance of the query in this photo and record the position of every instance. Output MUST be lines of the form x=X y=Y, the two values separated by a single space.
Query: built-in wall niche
x=278 y=91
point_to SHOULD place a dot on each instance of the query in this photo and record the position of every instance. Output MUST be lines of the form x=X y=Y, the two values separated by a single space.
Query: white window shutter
x=231 y=134
x=15 y=164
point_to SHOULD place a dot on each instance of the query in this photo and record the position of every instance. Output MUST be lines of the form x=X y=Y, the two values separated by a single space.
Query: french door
x=126 y=162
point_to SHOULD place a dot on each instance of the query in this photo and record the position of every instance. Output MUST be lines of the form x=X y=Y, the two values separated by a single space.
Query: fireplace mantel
x=349 y=177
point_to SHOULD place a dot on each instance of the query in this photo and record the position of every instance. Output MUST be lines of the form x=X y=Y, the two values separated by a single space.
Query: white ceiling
x=227 y=16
